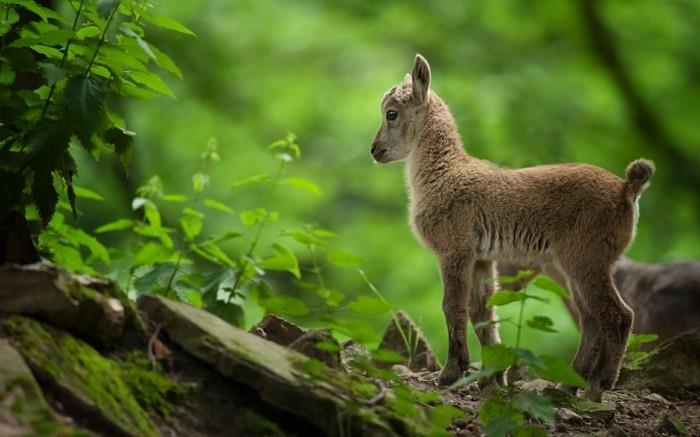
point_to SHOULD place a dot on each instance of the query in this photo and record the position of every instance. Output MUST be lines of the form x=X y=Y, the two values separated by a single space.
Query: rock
x=274 y=328
x=537 y=385
x=655 y=397
x=285 y=333
x=331 y=402
x=319 y=344
x=682 y=354
x=89 y=386
x=567 y=415
x=23 y=409
x=93 y=308
x=600 y=411
x=401 y=336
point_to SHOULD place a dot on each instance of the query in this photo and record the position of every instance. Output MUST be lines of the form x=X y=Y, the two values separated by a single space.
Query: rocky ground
x=78 y=358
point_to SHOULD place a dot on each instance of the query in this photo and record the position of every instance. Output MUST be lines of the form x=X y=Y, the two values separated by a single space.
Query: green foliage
x=635 y=357
x=86 y=59
x=504 y=413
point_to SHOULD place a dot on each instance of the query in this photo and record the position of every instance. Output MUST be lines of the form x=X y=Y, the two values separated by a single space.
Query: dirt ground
x=637 y=413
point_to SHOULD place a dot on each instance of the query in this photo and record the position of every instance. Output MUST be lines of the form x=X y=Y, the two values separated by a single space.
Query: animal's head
x=403 y=112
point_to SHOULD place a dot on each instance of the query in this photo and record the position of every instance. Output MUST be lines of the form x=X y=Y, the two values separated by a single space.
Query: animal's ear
x=421 y=79
x=407 y=78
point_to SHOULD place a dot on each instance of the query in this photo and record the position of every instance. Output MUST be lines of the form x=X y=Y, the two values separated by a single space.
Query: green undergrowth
x=125 y=390
x=379 y=395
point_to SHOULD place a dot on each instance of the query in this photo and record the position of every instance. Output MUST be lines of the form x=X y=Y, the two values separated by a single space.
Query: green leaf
x=635 y=341
x=166 y=63
x=504 y=297
x=252 y=217
x=89 y=31
x=200 y=181
x=7 y=74
x=324 y=233
x=214 y=251
x=84 y=96
x=557 y=370
x=387 y=356
x=283 y=259
x=549 y=284
x=441 y=416
x=327 y=346
x=174 y=198
x=123 y=142
x=52 y=72
x=168 y=23
x=228 y=235
x=304 y=237
x=304 y=184
x=535 y=405
x=151 y=81
x=191 y=222
x=44 y=13
x=117 y=225
x=344 y=259
x=370 y=306
x=48 y=145
x=498 y=357
x=541 y=323
x=155 y=278
x=252 y=180
x=219 y=206
x=151 y=253
x=84 y=193
x=152 y=214
x=333 y=298
x=104 y=7
x=279 y=304
x=49 y=52
x=499 y=416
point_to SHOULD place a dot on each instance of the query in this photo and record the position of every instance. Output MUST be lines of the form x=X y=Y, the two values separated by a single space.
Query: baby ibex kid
x=573 y=219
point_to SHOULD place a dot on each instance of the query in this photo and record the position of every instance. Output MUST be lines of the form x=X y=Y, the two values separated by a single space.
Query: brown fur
x=576 y=219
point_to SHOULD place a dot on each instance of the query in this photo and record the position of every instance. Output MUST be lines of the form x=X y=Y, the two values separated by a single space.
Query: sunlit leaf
x=219 y=206
x=303 y=184
x=84 y=193
x=283 y=259
x=344 y=259
x=117 y=225
x=168 y=23
x=535 y=405
x=151 y=253
x=191 y=222
x=541 y=323
x=370 y=306
x=557 y=370
x=549 y=284
x=252 y=180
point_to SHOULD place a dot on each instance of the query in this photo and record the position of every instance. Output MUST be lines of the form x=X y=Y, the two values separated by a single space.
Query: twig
x=151 y=343
x=379 y=396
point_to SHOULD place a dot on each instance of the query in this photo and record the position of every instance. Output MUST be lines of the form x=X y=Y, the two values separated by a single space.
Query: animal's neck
x=439 y=147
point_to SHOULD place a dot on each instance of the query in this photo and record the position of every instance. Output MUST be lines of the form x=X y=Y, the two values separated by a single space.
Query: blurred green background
x=528 y=82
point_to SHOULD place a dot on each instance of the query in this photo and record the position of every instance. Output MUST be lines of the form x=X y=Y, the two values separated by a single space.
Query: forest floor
x=637 y=412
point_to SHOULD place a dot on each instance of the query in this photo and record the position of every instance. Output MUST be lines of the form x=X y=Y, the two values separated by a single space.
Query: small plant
x=635 y=357
x=70 y=68
x=504 y=413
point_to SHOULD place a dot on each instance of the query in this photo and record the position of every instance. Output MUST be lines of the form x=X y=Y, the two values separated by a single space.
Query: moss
x=76 y=366
x=255 y=424
x=150 y=387
x=30 y=409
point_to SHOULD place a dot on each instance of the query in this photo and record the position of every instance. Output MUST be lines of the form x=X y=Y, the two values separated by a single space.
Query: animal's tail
x=638 y=174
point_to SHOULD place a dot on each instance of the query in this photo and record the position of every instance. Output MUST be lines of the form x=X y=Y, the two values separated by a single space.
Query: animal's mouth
x=380 y=156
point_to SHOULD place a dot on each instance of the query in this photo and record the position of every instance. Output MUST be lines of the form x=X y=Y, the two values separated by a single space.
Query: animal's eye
x=391 y=114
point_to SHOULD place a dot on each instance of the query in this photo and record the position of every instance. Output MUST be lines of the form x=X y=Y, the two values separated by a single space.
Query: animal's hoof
x=450 y=373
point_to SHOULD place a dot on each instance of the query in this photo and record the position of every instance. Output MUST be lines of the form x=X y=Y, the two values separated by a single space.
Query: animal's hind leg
x=605 y=323
x=482 y=289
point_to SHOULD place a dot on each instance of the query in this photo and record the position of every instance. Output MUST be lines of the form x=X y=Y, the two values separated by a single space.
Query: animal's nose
x=374 y=147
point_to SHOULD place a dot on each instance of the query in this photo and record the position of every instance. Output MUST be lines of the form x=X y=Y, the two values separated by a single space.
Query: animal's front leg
x=455 y=270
